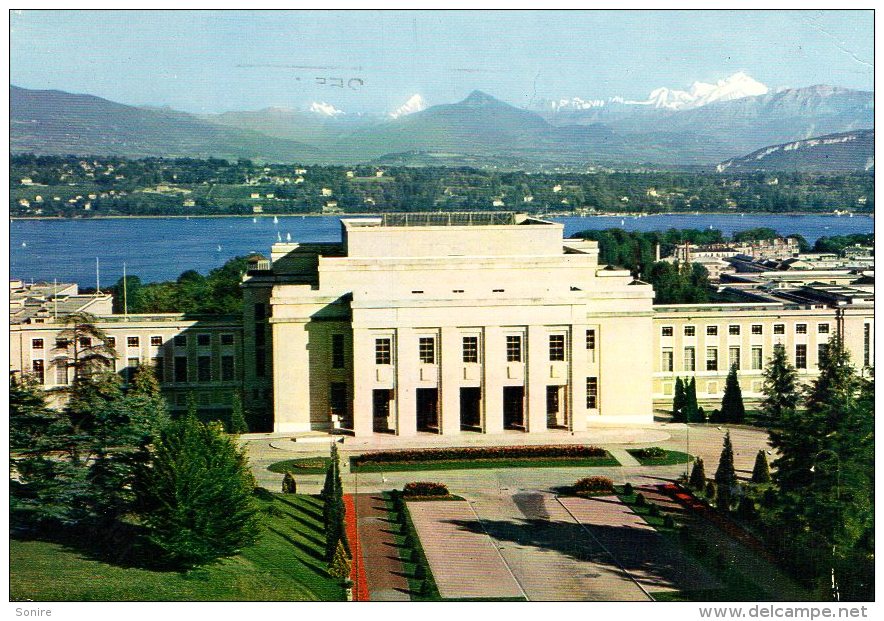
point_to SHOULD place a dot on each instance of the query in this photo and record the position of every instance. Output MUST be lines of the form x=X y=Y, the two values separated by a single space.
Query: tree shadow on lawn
x=643 y=553
x=319 y=569
x=317 y=517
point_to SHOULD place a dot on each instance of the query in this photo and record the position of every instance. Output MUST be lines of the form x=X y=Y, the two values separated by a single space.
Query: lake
x=161 y=248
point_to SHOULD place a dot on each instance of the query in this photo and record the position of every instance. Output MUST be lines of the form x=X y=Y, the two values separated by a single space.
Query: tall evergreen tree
x=237 y=420
x=761 y=471
x=698 y=475
x=732 y=408
x=678 y=402
x=196 y=495
x=726 y=476
x=781 y=394
x=691 y=408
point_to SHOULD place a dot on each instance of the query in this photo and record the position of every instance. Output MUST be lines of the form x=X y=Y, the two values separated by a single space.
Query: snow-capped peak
x=737 y=86
x=326 y=109
x=415 y=103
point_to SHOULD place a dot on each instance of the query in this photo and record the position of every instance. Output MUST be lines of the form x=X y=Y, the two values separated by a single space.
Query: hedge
x=594 y=485
x=480 y=452
x=653 y=452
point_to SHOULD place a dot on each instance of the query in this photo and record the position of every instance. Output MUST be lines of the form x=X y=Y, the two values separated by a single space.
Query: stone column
x=291 y=377
x=449 y=392
x=537 y=371
x=580 y=367
x=407 y=371
x=494 y=370
x=363 y=382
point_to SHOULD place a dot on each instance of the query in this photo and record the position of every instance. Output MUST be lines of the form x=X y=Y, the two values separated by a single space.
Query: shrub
x=340 y=563
x=710 y=490
x=652 y=452
x=424 y=488
x=746 y=509
x=698 y=475
x=761 y=471
x=627 y=489
x=480 y=452
x=640 y=500
x=668 y=521
x=654 y=510
x=289 y=486
x=594 y=485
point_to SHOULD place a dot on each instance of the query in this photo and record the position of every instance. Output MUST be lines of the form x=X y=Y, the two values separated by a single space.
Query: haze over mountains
x=703 y=125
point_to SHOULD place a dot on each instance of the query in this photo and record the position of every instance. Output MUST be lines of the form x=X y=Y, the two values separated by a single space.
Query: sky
x=372 y=61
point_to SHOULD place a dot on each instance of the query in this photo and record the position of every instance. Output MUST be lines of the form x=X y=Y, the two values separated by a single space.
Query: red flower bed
x=594 y=485
x=687 y=499
x=357 y=567
x=424 y=488
x=480 y=452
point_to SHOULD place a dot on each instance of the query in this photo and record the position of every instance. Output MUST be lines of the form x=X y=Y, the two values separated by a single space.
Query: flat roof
x=454 y=218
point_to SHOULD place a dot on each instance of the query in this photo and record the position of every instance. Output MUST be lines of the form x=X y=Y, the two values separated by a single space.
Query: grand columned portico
x=448 y=324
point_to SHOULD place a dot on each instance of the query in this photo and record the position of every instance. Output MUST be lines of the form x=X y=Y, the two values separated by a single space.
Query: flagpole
x=125 y=302
x=97 y=281
x=55 y=298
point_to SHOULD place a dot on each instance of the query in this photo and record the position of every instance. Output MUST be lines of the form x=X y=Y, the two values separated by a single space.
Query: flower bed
x=573 y=451
x=423 y=489
x=591 y=486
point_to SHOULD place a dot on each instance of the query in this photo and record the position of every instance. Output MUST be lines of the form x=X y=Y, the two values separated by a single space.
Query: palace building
x=466 y=323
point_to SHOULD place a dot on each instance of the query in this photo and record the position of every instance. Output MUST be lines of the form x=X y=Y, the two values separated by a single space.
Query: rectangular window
x=514 y=348
x=711 y=330
x=733 y=330
x=180 y=340
x=156 y=341
x=427 y=350
x=132 y=341
x=690 y=359
x=779 y=328
x=337 y=351
x=227 y=339
x=382 y=351
x=757 y=359
x=733 y=357
x=666 y=360
x=337 y=399
x=131 y=365
x=471 y=349
x=590 y=339
x=800 y=328
x=204 y=368
x=822 y=328
x=85 y=341
x=203 y=340
x=260 y=363
x=757 y=328
x=61 y=371
x=38 y=371
x=260 y=312
x=822 y=351
x=666 y=331
x=110 y=342
x=260 y=340
x=801 y=356
x=556 y=347
x=712 y=359
x=227 y=368
x=36 y=343
x=867 y=339
x=158 y=369
x=181 y=369
x=592 y=393
x=690 y=330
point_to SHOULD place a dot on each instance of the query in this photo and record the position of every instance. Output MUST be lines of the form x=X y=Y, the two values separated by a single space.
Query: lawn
x=670 y=458
x=474 y=464
x=302 y=465
x=285 y=565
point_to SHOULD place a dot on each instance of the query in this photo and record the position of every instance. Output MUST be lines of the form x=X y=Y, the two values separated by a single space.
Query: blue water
x=161 y=248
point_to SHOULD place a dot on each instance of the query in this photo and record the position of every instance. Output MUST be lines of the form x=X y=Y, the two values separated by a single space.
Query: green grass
x=671 y=458
x=285 y=565
x=735 y=586
x=303 y=465
x=476 y=464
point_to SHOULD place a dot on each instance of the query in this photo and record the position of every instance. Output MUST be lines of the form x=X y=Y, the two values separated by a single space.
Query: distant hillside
x=55 y=122
x=844 y=152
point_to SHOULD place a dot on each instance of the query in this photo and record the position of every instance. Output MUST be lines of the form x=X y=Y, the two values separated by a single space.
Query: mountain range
x=704 y=125
x=848 y=151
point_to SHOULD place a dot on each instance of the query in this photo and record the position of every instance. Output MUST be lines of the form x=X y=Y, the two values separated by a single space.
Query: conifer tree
x=678 y=402
x=339 y=567
x=697 y=481
x=692 y=409
x=781 y=395
x=732 y=408
x=196 y=495
x=333 y=510
x=237 y=420
x=725 y=476
x=761 y=471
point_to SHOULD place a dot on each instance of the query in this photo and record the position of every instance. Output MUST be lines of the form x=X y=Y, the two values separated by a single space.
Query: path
x=384 y=572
